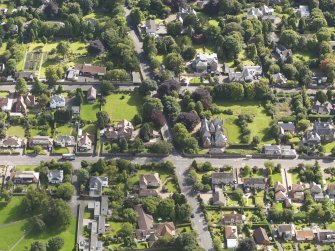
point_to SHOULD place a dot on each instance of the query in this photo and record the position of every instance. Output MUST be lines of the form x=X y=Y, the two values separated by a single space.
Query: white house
x=304 y=11
x=57 y=101
x=231 y=236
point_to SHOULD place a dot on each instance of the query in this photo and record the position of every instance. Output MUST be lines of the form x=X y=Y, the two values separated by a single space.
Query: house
x=55 y=176
x=211 y=133
x=248 y=74
x=297 y=192
x=6 y=104
x=273 y=38
x=44 y=141
x=219 y=199
x=145 y=224
x=153 y=29
x=124 y=129
x=256 y=183
x=279 y=79
x=331 y=190
x=166 y=229
x=149 y=181
x=282 y=52
x=280 y=196
x=311 y=139
x=148 y=192
x=72 y=74
x=286 y=127
x=232 y=218
x=304 y=235
x=184 y=12
x=286 y=231
x=136 y=76
x=75 y=111
x=260 y=13
x=288 y=203
x=279 y=150
x=57 y=101
x=96 y=185
x=325 y=130
x=304 y=11
x=85 y=143
x=261 y=237
x=28 y=76
x=315 y=188
x=91 y=95
x=323 y=109
x=25 y=177
x=279 y=187
x=204 y=63
x=90 y=70
x=30 y=100
x=326 y=236
x=231 y=236
x=20 y=106
x=65 y=141
x=223 y=178
x=12 y=142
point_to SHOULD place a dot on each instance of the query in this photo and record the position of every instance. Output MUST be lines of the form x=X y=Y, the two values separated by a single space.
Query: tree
x=82 y=176
x=79 y=98
x=149 y=105
x=127 y=229
x=321 y=96
x=189 y=119
x=175 y=62
x=37 y=246
x=303 y=125
x=38 y=224
x=55 y=243
x=203 y=96
x=174 y=28
x=102 y=119
x=137 y=146
x=65 y=191
x=166 y=208
x=54 y=73
x=43 y=100
x=51 y=9
x=184 y=139
x=63 y=48
x=96 y=47
x=183 y=212
x=157 y=118
x=123 y=144
x=136 y=16
x=147 y=86
x=37 y=149
x=289 y=38
x=145 y=132
x=232 y=46
x=211 y=7
x=246 y=245
x=167 y=87
x=57 y=214
x=160 y=147
x=129 y=215
x=63 y=116
x=245 y=171
x=21 y=86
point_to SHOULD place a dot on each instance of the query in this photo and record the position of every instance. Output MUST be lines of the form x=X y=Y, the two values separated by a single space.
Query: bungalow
x=219 y=199
x=57 y=101
x=149 y=181
x=326 y=236
x=91 y=95
x=232 y=218
x=6 y=104
x=64 y=141
x=12 y=142
x=20 y=106
x=85 y=143
x=280 y=151
x=248 y=74
x=90 y=70
x=323 y=109
x=204 y=63
x=304 y=235
x=184 y=12
x=96 y=185
x=282 y=52
x=75 y=111
x=28 y=76
x=55 y=176
x=25 y=177
x=286 y=231
x=223 y=178
x=124 y=129
x=44 y=141
x=231 y=236
x=153 y=29
x=325 y=130
x=286 y=127
x=256 y=183
x=261 y=237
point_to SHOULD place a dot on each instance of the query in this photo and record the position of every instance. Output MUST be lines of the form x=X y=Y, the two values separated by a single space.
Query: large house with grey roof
x=206 y=63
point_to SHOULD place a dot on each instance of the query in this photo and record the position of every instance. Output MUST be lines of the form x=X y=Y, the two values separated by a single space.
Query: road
x=144 y=64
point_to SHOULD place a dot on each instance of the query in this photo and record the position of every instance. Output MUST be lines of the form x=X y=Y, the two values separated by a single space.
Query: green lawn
x=328 y=147
x=64 y=130
x=259 y=127
x=278 y=206
x=60 y=150
x=295 y=178
x=122 y=106
x=90 y=129
x=3 y=48
x=201 y=48
x=171 y=186
x=18 y=131
x=195 y=81
x=12 y=233
x=3 y=93
x=12 y=212
x=68 y=235
x=163 y=174
x=276 y=177
x=36 y=132
x=89 y=111
x=184 y=229
x=20 y=63
x=25 y=167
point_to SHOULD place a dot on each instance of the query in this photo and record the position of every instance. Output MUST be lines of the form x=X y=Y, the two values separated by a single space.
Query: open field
x=18 y=131
x=122 y=106
x=12 y=233
x=258 y=127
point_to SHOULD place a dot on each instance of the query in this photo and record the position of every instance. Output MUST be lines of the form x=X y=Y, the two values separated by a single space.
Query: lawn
x=25 y=167
x=214 y=216
x=328 y=147
x=60 y=150
x=122 y=106
x=20 y=63
x=163 y=174
x=64 y=130
x=259 y=199
x=18 y=131
x=279 y=206
x=303 y=56
x=12 y=212
x=4 y=94
x=68 y=235
x=201 y=48
x=90 y=129
x=195 y=81
x=88 y=111
x=276 y=177
x=37 y=132
x=3 y=48
x=259 y=127
x=184 y=229
x=295 y=178
x=12 y=233
x=171 y=186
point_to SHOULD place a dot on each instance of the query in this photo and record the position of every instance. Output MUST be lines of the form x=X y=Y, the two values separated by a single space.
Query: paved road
x=144 y=64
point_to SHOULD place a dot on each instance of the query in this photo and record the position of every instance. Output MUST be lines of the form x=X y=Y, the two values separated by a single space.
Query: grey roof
x=285 y=228
x=290 y=127
x=96 y=185
x=253 y=181
x=104 y=205
x=56 y=175
x=218 y=197
x=136 y=77
x=91 y=93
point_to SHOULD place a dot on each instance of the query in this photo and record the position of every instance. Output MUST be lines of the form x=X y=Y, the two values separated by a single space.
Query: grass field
x=25 y=167
x=122 y=106
x=276 y=177
x=4 y=94
x=68 y=235
x=18 y=131
x=12 y=233
x=12 y=212
x=328 y=147
x=88 y=111
x=21 y=62
x=259 y=127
